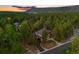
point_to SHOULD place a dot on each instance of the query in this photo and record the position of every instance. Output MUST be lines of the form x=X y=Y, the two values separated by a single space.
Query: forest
x=20 y=32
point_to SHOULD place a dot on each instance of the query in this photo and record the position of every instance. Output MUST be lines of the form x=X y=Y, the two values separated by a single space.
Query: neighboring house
x=76 y=32
x=16 y=24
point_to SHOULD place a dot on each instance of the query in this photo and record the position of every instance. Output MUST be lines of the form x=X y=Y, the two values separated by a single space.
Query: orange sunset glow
x=9 y=8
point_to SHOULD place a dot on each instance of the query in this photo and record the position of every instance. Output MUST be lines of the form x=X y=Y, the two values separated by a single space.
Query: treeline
x=18 y=27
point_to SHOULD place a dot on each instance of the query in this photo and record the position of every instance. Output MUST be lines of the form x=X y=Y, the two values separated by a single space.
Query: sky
x=39 y=2
x=9 y=8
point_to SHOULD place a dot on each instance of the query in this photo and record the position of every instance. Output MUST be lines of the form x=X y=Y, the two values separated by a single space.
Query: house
x=40 y=32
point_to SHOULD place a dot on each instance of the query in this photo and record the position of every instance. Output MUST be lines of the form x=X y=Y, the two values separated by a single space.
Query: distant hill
x=56 y=9
x=33 y=9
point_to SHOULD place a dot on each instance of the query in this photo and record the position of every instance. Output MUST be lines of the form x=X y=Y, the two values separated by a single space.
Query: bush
x=74 y=47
